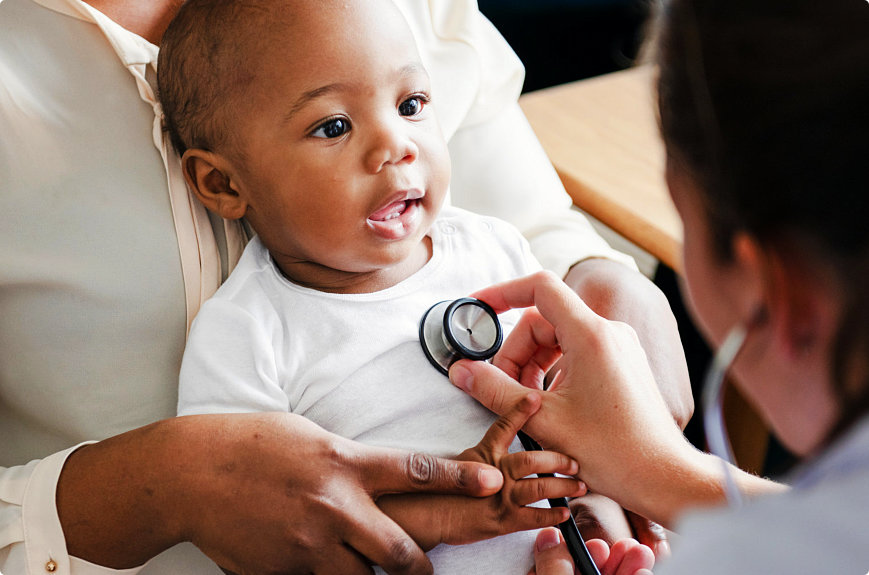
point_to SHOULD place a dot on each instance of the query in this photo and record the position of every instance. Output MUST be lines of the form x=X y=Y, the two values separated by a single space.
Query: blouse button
x=51 y=566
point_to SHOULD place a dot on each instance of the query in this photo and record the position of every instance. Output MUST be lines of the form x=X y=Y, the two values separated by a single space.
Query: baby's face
x=343 y=164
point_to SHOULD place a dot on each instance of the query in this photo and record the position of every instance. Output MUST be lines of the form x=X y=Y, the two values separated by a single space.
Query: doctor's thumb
x=493 y=388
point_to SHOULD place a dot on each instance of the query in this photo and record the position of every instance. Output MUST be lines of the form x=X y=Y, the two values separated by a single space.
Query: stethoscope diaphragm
x=466 y=328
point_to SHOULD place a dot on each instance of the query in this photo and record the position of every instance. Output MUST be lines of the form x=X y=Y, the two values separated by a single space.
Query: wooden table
x=601 y=134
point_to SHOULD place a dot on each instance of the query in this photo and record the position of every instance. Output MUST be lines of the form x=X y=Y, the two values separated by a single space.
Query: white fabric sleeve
x=500 y=169
x=31 y=538
x=229 y=364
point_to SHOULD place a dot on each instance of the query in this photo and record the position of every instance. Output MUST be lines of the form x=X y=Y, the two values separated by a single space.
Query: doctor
x=763 y=112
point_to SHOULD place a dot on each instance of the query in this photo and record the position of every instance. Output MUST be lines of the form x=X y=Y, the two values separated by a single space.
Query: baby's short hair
x=204 y=67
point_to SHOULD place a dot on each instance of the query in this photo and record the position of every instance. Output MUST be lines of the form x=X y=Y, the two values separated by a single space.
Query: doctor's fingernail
x=462 y=377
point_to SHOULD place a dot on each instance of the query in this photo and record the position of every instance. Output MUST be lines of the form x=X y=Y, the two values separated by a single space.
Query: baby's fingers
x=525 y=463
x=525 y=518
x=500 y=435
x=528 y=491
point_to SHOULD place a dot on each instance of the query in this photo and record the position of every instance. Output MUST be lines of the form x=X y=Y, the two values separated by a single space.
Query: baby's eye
x=412 y=106
x=332 y=128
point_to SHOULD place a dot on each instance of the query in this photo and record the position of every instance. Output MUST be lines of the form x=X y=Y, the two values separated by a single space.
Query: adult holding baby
x=763 y=113
x=105 y=262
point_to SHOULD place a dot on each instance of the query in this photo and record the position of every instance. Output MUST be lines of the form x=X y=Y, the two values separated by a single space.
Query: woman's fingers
x=392 y=471
x=375 y=536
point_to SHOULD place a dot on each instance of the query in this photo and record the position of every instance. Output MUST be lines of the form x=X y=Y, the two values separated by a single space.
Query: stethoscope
x=713 y=408
x=469 y=328
x=466 y=328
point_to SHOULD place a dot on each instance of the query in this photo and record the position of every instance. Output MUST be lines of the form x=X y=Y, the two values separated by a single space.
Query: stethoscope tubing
x=569 y=530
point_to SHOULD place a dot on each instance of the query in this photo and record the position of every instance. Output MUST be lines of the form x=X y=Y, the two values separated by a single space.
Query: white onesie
x=353 y=363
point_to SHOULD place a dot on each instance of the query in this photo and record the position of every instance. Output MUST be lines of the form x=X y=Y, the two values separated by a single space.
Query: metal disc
x=474 y=329
x=431 y=336
x=466 y=328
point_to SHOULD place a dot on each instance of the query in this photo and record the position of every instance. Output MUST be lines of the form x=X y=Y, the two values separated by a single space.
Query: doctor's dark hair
x=205 y=66
x=765 y=105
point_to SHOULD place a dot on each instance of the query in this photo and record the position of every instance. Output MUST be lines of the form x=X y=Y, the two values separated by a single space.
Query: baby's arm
x=432 y=520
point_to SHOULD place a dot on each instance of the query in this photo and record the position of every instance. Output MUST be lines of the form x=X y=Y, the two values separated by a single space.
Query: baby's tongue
x=392 y=210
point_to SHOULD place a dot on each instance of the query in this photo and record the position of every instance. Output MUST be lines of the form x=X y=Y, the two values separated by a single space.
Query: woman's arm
x=229 y=484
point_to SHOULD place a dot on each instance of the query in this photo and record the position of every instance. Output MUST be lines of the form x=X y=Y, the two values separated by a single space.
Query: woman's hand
x=258 y=493
x=625 y=557
x=603 y=407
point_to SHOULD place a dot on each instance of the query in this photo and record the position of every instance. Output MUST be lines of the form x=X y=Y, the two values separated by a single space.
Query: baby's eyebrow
x=313 y=95
x=412 y=69
x=408 y=70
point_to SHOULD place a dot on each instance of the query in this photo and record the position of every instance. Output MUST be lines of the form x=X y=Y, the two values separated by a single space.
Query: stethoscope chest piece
x=466 y=328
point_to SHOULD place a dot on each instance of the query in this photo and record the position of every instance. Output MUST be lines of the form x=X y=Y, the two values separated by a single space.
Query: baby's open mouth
x=392 y=211
x=399 y=217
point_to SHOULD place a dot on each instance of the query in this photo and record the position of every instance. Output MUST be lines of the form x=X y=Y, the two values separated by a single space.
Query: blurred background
x=564 y=40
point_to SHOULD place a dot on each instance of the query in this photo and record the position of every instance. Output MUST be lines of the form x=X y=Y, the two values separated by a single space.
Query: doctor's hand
x=603 y=407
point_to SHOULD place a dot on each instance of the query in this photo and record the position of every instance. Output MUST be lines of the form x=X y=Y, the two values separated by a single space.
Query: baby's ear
x=207 y=174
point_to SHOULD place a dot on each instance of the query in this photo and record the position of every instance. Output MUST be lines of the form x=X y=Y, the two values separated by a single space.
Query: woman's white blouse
x=104 y=259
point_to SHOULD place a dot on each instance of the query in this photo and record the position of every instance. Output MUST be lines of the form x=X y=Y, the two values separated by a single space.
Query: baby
x=314 y=121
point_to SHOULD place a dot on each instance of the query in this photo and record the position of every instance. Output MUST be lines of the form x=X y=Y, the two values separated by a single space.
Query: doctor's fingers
x=553 y=298
x=529 y=351
x=490 y=386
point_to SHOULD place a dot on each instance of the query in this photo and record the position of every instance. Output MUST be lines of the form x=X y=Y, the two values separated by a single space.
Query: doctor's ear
x=788 y=293
x=207 y=174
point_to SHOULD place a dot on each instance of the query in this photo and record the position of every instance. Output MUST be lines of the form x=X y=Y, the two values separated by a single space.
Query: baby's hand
x=505 y=512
